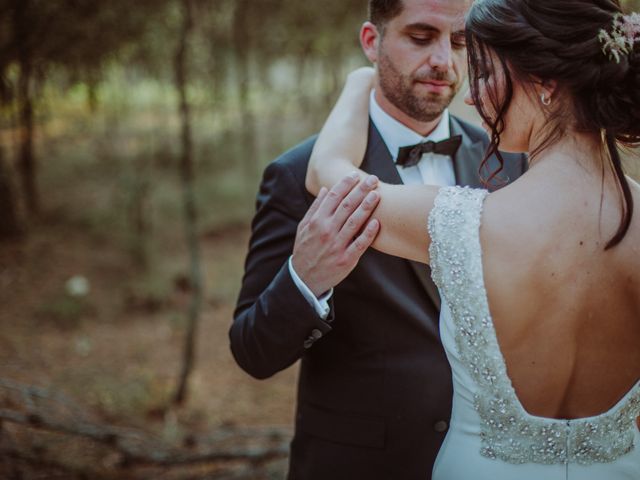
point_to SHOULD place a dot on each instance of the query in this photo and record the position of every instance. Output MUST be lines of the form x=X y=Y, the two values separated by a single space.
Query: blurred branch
x=106 y=435
x=30 y=392
x=48 y=464
x=116 y=438
x=137 y=448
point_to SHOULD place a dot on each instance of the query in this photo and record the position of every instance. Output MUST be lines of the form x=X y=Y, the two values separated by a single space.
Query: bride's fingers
x=359 y=218
x=363 y=241
x=352 y=201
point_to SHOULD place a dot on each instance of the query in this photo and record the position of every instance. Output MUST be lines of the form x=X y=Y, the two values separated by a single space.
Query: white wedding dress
x=491 y=436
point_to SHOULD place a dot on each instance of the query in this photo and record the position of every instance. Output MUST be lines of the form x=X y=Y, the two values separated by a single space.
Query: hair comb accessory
x=623 y=36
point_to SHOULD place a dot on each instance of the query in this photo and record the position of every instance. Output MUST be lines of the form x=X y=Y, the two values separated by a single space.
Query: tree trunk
x=26 y=159
x=9 y=224
x=219 y=75
x=247 y=126
x=187 y=176
x=92 y=95
x=139 y=217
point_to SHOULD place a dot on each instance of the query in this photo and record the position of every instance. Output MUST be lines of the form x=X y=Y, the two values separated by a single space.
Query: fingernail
x=354 y=175
x=372 y=181
x=372 y=197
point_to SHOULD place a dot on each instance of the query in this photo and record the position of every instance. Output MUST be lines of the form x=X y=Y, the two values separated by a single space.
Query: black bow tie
x=410 y=156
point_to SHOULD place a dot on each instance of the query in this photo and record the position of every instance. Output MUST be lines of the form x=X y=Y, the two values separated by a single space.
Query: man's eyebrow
x=421 y=26
x=425 y=27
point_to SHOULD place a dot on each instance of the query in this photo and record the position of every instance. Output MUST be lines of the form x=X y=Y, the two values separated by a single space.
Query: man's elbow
x=256 y=368
x=253 y=369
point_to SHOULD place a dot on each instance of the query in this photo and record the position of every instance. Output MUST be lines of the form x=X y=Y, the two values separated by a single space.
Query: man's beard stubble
x=398 y=89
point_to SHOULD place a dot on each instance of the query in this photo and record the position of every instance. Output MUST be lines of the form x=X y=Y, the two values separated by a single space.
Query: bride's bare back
x=566 y=312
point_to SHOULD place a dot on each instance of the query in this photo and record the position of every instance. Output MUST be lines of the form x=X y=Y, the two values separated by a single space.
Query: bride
x=541 y=310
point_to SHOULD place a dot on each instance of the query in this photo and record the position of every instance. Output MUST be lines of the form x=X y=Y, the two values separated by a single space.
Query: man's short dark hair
x=381 y=11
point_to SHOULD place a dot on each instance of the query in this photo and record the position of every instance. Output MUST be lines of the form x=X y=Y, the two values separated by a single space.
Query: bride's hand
x=362 y=77
x=342 y=143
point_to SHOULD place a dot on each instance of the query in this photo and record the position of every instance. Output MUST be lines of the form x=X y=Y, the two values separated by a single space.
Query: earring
x=545 y=101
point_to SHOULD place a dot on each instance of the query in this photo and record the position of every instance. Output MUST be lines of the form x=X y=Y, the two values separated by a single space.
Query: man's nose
x=441 y=57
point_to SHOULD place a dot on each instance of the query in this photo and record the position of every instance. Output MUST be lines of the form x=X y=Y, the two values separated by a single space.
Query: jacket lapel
x=378 y=161
x=468 y=159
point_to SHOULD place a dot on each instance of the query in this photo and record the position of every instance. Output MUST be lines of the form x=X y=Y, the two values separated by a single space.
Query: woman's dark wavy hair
x=557 y=40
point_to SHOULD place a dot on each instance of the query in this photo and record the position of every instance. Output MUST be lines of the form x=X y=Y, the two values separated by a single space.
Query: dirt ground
x=117 y=351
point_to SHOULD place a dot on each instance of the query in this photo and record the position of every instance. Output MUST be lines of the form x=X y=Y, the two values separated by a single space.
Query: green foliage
x=79 y=35
x=263 y=74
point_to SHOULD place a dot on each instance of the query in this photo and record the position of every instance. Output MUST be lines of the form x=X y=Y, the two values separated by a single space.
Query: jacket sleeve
x=273 y=323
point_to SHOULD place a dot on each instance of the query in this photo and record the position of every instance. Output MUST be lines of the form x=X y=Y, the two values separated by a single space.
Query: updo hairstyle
x=559 y=40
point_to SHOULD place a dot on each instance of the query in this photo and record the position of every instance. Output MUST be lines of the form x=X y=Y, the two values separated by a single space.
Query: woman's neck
x=572 y=151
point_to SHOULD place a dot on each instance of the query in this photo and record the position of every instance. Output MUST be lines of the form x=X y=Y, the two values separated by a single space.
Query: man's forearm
x=271 y=333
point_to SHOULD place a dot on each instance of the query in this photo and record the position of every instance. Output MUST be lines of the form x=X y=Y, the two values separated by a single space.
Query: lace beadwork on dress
x=508 y=432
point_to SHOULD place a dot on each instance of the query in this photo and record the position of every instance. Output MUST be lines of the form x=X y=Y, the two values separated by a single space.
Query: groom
x=374 y=392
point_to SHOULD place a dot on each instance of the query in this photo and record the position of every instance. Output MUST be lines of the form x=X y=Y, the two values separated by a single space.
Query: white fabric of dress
x=491 y=436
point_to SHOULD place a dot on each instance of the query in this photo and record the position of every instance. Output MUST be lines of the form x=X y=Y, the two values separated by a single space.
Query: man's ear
x=369 y=39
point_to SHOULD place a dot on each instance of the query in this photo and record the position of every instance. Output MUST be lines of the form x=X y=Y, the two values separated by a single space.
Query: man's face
x=421 y=57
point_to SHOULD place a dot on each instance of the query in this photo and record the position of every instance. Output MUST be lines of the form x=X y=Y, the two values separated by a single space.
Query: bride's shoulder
x=507 y=203
x=464 y=204
x=515 y=215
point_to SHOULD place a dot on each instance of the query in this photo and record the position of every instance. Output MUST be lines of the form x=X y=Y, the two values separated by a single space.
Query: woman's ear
x=546 y=88
x=369 y=39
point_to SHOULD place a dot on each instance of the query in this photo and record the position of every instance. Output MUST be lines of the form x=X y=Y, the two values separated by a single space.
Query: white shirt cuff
x=320 y=305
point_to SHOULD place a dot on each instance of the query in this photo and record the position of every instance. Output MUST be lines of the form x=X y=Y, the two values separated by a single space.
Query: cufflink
x=315 y=335
x=441 y=426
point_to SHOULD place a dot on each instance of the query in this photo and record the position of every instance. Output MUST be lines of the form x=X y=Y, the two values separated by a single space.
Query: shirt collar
x=396 y=135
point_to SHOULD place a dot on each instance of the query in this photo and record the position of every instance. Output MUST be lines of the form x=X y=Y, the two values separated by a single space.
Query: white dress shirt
x=432 y=169
x=320 y=305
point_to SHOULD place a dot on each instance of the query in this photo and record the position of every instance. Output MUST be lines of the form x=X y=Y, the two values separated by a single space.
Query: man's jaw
x=420 y=127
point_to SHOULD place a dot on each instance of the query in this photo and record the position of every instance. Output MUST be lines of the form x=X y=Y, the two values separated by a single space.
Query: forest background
x=133 y=136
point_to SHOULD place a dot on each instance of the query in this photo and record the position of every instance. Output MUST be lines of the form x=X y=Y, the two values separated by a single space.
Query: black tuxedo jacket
x=374 y=392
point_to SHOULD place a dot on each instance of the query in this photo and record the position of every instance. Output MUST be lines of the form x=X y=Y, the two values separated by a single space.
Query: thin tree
x=36 y=35
x=9 y=223
x=27 y=160
x=242 y=43
x=9 y=220
x=190 y=214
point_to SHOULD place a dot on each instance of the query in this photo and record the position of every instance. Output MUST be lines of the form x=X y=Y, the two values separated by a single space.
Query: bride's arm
x=339 y=150
x=342 y=142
